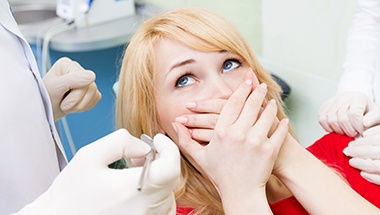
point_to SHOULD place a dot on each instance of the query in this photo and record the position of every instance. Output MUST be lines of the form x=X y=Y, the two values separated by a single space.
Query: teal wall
x=88 y=126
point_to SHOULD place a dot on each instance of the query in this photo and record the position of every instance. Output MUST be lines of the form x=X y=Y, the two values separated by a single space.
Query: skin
x=220 y=76
x=208 y=79
x=246 y=134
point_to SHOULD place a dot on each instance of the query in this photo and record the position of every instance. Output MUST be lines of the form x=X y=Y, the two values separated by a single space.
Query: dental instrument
x=148 y=160
x=85 y=13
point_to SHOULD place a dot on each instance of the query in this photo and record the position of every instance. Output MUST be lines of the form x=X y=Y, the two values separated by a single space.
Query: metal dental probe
x=148 y=160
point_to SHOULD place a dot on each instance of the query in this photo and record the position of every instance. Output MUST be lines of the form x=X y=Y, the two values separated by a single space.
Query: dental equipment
x=85 y=13
x=148 y=160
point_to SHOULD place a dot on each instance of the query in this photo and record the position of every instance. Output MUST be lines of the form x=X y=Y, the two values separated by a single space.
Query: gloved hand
x=344 y=114
x=365 y=153
x=88 y=186
x=71 y=88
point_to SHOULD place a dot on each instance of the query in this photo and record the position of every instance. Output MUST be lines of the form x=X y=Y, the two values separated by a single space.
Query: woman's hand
x=241 y=154
x=201 y=124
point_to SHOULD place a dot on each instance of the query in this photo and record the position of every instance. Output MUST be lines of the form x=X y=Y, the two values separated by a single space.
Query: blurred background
x=302 y=42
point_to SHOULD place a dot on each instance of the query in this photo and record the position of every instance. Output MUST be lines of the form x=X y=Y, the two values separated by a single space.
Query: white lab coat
x=361 y=68
x=31 y=153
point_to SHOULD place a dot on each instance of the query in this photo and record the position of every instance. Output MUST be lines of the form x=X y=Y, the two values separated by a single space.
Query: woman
x=229 y=137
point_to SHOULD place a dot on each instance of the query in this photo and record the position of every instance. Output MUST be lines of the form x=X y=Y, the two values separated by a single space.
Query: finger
x=166 y=167
x=198 y=120
x=185 y=143
x=372 y=117
x=78 y=103
x=373 y=178
x=345 y=122
x=113 y=147
x=333 y=119
x=67 y=65
x=367 y=165
x=279 y=135
x=82 y=99
x=322 y=115
x=202 y=135
x=252 y=107
x=366 y=141
x=207 y=105
x=372 y=131
x=363 y=151
x=235 y=103
x=77 y=82
x=79 y=79
x=72 y=99
x=266 y=120
x=338 y=104
x=356 y=114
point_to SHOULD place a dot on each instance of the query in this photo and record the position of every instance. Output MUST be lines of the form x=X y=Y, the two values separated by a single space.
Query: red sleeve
x=183 y=211
x=288 y=206
x=329 y=149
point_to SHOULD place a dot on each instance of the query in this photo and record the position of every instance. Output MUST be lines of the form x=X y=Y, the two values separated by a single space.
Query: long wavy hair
x=201 y=30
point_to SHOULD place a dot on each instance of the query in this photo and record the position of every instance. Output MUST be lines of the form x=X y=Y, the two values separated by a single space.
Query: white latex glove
x=344 y=114
x=365 y=153
x=71 y=88
x=88 y=186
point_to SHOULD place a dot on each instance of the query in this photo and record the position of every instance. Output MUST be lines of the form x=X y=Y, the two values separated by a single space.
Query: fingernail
x=264 y=86
x=191 y=105
x=286 y=121
x=248 y=82
x=181 y=119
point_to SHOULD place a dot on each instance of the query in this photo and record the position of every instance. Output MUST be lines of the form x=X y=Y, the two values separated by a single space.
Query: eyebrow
x=185 y=62
x=182 y=63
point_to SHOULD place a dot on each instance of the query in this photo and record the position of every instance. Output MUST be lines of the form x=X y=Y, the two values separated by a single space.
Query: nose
x=221 y=88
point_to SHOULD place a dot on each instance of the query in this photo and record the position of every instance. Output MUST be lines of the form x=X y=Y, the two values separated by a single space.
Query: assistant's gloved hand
x=365 y=153
x=71 y=88
x=345 y=112
x=88 y=186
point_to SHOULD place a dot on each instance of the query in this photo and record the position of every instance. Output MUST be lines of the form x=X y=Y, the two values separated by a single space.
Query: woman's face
x=183 y=75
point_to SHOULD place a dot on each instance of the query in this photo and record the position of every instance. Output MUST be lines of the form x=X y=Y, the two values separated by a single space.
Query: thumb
x=73 y=80
x=113 y=147
x=372 y=117
x=80 y=79
x=167 y=167
x=185 y=142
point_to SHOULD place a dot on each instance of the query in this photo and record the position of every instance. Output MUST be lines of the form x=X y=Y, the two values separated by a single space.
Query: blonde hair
x=201 y=30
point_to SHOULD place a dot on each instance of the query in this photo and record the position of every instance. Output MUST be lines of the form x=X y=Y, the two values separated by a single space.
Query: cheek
x=168 y=110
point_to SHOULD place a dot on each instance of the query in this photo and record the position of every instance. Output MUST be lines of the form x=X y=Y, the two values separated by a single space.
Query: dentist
x=34 y=175
x=354 y=110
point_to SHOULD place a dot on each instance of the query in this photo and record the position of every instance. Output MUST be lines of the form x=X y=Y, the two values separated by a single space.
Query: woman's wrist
x=248 y=201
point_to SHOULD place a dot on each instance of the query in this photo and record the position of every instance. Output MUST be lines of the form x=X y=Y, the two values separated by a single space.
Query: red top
x=329 y=150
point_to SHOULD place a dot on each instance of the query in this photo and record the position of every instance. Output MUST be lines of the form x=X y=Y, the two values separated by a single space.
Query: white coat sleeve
x=362 y=50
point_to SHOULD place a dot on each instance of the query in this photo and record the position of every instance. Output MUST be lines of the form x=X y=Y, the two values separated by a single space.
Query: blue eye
x=230 y=65
x=184 y=81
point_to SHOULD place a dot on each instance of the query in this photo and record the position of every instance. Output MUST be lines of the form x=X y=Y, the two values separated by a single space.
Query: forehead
x=171 y=46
